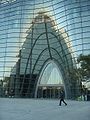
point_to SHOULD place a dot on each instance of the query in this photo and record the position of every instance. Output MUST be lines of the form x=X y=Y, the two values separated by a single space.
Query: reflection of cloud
x=6 y=1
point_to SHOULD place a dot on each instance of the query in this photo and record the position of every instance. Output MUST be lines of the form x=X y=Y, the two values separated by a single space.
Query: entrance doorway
x=48 y=92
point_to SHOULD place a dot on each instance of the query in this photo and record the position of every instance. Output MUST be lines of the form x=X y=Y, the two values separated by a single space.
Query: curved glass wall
x=33 y=31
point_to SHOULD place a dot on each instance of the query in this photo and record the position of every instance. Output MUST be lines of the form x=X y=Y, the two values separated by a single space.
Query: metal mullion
x=47 y=38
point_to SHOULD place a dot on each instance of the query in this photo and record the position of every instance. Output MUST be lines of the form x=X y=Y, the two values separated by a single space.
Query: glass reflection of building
x=34 y=32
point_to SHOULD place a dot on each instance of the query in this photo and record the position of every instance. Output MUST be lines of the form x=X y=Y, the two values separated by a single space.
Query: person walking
x=62 y=97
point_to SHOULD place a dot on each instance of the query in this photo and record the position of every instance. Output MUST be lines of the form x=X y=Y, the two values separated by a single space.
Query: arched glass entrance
x=50 y=81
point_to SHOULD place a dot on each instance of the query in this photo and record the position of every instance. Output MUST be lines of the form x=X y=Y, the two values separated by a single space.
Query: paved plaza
x=39 y=109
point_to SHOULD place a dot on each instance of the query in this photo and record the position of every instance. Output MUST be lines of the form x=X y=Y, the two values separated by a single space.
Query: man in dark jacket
x=62 y=97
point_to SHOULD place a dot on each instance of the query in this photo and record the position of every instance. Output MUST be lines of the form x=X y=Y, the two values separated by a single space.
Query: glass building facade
x=40 y=41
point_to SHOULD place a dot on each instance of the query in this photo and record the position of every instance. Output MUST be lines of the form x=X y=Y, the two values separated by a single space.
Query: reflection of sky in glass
x=51 y=75
x=16 y=18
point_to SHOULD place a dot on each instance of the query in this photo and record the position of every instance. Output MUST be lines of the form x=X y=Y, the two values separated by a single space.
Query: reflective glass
x=33 y=32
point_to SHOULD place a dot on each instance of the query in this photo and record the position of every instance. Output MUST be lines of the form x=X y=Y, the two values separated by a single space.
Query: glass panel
x=51 y=75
